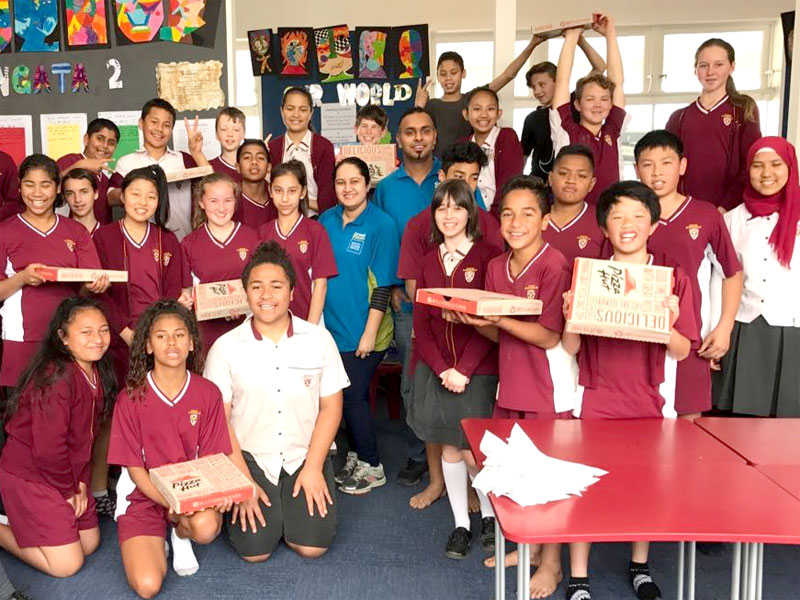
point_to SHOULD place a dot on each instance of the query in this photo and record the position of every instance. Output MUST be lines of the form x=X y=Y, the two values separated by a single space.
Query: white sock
x=100 y=494
x=183 y=559
x=455 y=480
x=486 y=506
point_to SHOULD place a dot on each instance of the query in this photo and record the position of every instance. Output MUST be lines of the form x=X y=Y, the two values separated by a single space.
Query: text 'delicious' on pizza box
x=620 y=300
x=380 y=158
x=198 y=484
x=220 y=299
x=479 y=302
x=70 y=275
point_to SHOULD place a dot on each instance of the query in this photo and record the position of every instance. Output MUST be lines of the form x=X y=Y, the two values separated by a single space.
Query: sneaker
x=458 y=544
x=364 y=478
x=105 y=505
x=412 y=473
x=347 y=470
x=17 y=595
x=487 y=534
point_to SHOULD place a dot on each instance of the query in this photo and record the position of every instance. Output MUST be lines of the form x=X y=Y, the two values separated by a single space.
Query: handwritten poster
x=338 y=122
x=130 y=136
x=16 y=136
x=62 y=133
x=191 y=86
x=207 y=127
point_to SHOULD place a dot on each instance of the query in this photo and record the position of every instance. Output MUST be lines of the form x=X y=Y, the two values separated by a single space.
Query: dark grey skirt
x=435 y=413
x=761 y=371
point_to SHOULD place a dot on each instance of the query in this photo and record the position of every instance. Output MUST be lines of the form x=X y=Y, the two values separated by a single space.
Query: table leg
x=499 y=563
x=745 y=570
x=526 y=573
x=681 y=568
x=752 y=567
x=692 y=570
x=760 y=573
x=522 y=589
x=736 y=570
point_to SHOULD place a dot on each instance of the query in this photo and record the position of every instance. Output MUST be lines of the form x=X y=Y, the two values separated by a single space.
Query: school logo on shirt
x=242 y=253
x=530 y=290
x=694 y=230
x=167 y=256
x=303 y=246
x=607 y=139
x=156 y=254
x=307 y=379
x=70 y=244
x=193 y=416
x=583 y=241
x=469 y=273
x=727 y=119
x=356 y=244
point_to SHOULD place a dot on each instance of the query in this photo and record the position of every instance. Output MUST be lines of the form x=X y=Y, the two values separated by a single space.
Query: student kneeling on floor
x=281 y=379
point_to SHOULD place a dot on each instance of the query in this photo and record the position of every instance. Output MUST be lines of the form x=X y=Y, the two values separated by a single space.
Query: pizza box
x=620 y=300
x=220 y=299
x=478 y=302
x=380 y=158
x=555 y=28
x=68 y=274
x=192 y=173
x=198 y=484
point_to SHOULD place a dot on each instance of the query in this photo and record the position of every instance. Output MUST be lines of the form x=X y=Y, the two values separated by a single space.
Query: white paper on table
x=211 y=147
x=519 y=470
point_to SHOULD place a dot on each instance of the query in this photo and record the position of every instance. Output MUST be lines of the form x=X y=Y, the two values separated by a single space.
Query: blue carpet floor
x=385 y=550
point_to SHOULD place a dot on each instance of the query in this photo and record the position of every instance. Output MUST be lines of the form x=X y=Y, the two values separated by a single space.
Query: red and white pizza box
x=620 y=300
x=479 y=302
x=555 y=28
x=198 y=484
x=192 y=173
x=70 y=275
x=220 y=299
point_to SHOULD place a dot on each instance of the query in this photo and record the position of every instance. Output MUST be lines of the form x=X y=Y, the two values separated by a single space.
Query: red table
x=786 y=476
x=698 y=490
x=759 y=441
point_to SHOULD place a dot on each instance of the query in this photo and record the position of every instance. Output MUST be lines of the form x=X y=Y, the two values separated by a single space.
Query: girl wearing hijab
x=759 y=373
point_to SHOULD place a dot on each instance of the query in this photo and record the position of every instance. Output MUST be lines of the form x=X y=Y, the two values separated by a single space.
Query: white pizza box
x=555 y=28
x=478 y=302
x=220 y=299
x=380 y=158
x=69 y=274
x=620 y=300
x=198 y=484
x=192 y=173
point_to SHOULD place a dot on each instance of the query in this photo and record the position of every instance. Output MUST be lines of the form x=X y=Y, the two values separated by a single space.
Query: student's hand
x=721 y=210
x=673 y=304
x=80 y=501
x=449 y=316
x=96 y=165
x=249 y=511
x=186 y=300
x=98 y=286
x=477 y=321
x=30 y=276
x=536 y=40
x=365 y=345
x=193 y=135
x=572 y=34
x=312 y=482
x=127 y=336
x=224 y=506
x=233 y=315
x=567 y=296
x=398 y=297
x=715 y=365
x=603 y=24
x=454 y=381
x=716 y=344
x=423 y=92
x=267 y=139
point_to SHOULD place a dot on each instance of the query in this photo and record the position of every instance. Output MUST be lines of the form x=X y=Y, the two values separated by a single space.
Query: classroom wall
x=475 y=15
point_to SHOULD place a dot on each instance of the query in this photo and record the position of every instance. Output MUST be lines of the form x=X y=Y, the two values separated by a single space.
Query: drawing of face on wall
x=334 y=54
x=295 y=46
x=36 y=25
x=372 y=53
x=138 y=21
x=261 y=55
x=408 y=51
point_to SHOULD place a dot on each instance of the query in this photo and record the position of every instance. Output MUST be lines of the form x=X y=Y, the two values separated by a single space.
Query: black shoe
x=487 y=534
x=412 y=473
x=20 y=596
x=458 y=544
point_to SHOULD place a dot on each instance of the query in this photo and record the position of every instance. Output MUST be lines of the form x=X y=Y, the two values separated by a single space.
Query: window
x=248 y=90
x=478 y=57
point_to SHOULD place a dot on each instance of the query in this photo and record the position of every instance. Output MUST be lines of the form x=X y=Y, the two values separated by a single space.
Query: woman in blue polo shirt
x=366 y=246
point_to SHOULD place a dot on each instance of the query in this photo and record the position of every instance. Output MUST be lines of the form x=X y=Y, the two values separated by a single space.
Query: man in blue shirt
x=402 y=195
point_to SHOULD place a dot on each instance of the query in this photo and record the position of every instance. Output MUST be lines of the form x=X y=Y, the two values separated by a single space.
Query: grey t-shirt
x=449 y=121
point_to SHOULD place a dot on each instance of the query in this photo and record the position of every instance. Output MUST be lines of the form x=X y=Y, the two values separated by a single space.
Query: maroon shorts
x=142 y=517
x=39 y=515
x=504 y=413
x=16 y=356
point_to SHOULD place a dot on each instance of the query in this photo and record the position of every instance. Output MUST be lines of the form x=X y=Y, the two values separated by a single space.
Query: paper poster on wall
x=16 y=136
x=138 y=21
x=334 y=53
x=191 y=86
x=207 y=127
x=62 y=133
x=85 y=24
x=296 y=46
x=130 y=136
x=372 y=42
x=5 y=27
x=338 y=122
x=191 y=22
x=36 y=26
x=262 y=52
x=409 y=51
